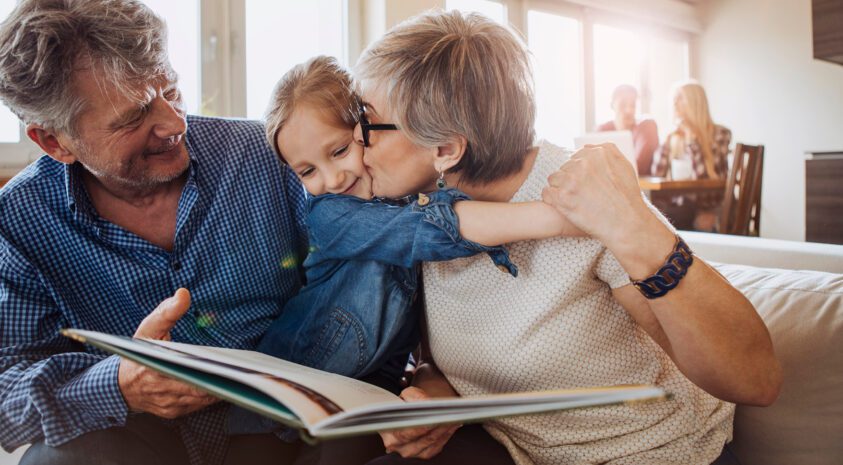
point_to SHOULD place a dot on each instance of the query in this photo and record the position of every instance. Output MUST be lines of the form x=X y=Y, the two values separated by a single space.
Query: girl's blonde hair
x=321 y=82
x=698 y=119
x=450 y=74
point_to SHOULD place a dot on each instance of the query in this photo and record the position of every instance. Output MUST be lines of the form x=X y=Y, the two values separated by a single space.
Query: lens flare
x=206 y=320
x=289 y=262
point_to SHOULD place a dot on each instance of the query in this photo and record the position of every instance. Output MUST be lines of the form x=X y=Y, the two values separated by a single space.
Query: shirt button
x=177 y=266
x=503 y=268
x=423 y=200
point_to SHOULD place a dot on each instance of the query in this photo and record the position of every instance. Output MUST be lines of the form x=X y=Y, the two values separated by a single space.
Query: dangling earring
x=440 y=183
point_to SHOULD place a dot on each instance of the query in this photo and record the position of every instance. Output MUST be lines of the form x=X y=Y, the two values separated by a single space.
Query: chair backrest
x=742 y=203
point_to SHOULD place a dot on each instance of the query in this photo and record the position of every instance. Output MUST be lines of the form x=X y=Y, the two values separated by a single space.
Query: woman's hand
x=427 y=441
x=597 y=190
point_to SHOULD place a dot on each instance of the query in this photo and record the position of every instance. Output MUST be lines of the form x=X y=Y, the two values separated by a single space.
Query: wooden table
x=3 y=181
x=667 y=186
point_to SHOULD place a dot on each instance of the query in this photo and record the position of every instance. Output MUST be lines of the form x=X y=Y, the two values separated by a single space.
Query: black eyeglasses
x=366 y=126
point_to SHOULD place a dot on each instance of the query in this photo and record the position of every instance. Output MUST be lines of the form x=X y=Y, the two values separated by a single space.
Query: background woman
x=452 y=94
x=700 y=149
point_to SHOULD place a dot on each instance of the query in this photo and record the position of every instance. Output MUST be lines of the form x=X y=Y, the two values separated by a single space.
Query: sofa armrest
x=804 y=312
x=766 y=253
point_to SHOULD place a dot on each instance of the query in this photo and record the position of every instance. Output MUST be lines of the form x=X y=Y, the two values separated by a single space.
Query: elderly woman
x=448 y=101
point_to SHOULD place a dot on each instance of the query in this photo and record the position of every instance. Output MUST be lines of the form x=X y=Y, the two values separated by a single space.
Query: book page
x=346 y=393
x=329 y=405
x=477 y=408
x=293 y=392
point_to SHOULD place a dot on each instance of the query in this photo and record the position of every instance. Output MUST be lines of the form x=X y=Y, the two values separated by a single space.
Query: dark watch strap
x=670 y=274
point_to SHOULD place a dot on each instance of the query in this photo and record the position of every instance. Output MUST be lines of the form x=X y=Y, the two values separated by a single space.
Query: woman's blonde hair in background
x=449 y=74
x=321 y=82
x=698 y=119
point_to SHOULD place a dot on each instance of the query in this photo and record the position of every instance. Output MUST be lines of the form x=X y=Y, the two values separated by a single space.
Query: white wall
x=755 y=58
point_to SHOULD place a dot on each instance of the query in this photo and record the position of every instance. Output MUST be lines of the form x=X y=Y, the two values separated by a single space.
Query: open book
x=325 y=405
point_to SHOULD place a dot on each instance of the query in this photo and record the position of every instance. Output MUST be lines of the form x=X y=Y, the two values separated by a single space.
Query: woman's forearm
x=710 y=330
x=714 y=334
x=497 y=223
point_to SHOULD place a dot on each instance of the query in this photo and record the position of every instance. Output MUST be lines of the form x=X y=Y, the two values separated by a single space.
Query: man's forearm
x=49 y=399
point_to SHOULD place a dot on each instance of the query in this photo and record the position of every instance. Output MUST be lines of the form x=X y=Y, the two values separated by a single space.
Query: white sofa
x=799 y=294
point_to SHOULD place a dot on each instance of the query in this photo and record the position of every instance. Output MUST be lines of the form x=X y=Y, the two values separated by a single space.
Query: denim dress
x=355 y=316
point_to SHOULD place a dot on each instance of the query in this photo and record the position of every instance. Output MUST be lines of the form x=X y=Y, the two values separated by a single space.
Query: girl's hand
x=423 y=442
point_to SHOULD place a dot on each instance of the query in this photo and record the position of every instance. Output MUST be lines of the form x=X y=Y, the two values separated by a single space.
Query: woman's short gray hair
x=44 y=42
x=451 y=74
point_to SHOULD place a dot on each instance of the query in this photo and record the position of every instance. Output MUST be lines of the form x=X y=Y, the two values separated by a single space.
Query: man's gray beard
x=144 y=181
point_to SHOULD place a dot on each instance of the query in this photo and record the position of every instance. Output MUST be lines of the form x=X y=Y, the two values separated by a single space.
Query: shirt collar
x=78 y=201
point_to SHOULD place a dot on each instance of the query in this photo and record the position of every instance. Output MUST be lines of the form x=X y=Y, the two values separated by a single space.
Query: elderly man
x=132 y=201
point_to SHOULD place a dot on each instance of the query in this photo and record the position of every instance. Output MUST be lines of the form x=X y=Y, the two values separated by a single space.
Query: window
x=281 y=34
x=9 y=123
x=667 y=65
x=650 y=62
x=492 y=9
x=183 y=38
x=617 y=60
x=556 y=48
x=228 y=55
x=9 y=126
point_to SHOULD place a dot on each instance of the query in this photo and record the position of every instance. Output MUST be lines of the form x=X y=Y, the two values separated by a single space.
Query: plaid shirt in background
x=239 y=236
x=693 y=151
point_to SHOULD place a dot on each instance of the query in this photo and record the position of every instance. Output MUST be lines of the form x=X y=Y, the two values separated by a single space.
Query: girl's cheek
x=312 y=187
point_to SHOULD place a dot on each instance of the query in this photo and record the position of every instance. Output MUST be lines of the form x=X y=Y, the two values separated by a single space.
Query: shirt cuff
x=96 y=395
x=438 y=209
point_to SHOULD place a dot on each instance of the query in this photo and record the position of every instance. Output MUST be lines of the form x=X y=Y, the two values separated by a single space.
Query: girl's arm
x=348 y=228
x=496 y=223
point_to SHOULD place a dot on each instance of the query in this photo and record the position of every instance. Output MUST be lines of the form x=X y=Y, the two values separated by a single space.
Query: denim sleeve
x=47 y=391
x=348 y=228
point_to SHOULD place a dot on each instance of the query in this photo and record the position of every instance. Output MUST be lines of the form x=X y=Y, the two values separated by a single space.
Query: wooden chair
x=741 y=213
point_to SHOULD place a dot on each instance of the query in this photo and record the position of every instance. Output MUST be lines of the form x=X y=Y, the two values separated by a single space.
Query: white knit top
x=557 y=326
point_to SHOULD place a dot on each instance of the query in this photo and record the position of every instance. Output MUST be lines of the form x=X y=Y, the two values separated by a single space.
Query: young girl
x=355 y=315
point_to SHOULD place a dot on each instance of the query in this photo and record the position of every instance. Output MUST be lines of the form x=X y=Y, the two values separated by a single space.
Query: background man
x=645 y=134
x=132 y=201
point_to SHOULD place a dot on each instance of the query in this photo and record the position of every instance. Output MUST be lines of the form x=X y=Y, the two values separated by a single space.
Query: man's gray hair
x=43 y=43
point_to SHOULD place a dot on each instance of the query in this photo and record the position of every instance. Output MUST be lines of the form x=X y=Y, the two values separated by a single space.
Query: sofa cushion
x=804 y=313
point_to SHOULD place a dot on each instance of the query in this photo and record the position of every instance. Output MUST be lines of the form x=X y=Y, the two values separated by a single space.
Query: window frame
x=222 y=83
x=14 y=156
x=517 y=11
x=223 y=50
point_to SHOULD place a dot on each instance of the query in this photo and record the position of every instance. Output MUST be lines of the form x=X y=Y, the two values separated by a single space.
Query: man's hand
x=146 y=390
x=423 y=442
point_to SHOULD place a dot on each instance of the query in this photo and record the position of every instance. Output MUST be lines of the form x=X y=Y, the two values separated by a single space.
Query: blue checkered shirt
x=239 y=236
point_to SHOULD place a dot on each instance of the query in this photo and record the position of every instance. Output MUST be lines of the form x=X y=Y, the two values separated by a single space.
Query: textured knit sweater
x=556 y=326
